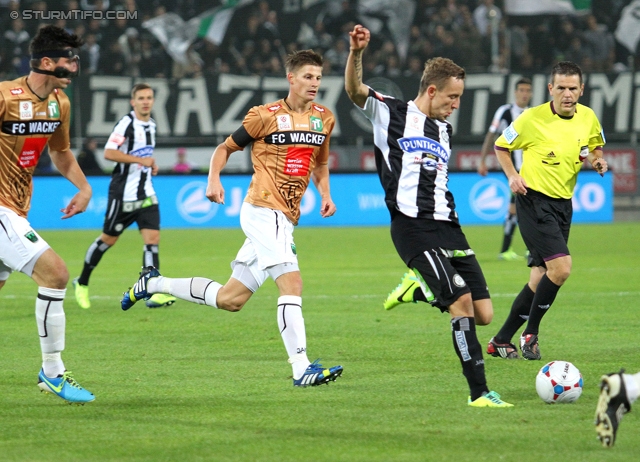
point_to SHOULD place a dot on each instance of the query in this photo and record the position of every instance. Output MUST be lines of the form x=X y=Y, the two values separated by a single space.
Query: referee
x=556 y=137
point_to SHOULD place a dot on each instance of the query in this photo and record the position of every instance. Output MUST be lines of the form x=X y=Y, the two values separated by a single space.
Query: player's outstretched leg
x=66 y=387
x=139 y=289
x=612 y=405
x=316 y=374
x=404 y=292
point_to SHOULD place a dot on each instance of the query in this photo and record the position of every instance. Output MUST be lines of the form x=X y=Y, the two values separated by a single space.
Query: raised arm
x=358 y=40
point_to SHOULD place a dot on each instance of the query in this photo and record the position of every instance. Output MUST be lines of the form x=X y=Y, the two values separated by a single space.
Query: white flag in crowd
x=628 y=30
x=531 y=7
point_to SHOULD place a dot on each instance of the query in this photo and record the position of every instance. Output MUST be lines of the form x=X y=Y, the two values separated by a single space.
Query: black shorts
x=439 y=254
x=117 y=220
x=446 y=277
x=544 y=224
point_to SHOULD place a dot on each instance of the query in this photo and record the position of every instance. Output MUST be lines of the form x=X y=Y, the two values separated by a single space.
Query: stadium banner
x=205 y=110
x=359 y=199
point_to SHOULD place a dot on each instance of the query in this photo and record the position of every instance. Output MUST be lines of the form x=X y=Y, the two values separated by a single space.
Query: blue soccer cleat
x=315 y=375
x=139 y=289
x=65 y=387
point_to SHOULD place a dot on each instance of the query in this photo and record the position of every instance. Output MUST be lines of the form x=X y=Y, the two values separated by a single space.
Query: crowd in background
x=262 y=33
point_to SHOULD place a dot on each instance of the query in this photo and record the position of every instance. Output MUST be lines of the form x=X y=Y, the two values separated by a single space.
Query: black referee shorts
x=544 y=224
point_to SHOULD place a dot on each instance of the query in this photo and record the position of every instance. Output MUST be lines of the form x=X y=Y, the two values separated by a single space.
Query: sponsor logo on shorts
x=458 y=281
x=32 y=236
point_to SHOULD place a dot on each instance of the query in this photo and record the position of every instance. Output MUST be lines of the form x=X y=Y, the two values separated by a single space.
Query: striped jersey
x=503 y=117
x=28 y=124
x=132 y=182
x=286 y=148
x=554 y=146
x=412 y=153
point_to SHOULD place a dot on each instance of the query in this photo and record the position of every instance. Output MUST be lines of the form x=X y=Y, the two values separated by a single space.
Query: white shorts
x=20 y=245
x=269 y=241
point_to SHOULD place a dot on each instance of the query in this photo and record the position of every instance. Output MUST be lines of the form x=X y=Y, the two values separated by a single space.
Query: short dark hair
x=297 y=59
x=139 y=86
x=52 y=38
x=566 y=68
x=523 y=81
x=437 y=71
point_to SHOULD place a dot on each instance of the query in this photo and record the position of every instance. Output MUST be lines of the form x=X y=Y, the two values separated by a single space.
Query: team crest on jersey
x=284 y=122
x=53 y=110
x=16 y=91
x=26 y=110
x=274 y=108
x=318 y=108
x=316 y=123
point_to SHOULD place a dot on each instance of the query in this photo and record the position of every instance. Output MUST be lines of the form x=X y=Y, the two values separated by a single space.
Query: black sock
x=510 y=224
x=469 y=351
x=91 y=260
x=150 y=256
x=518 y=315
x=542 y=301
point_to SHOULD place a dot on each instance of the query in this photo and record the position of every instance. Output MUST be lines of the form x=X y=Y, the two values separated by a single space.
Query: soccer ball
x=559 y=382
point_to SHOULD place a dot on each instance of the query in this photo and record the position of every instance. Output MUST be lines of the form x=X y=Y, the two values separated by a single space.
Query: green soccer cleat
x=491 y=399
x=404 y=292
x=510 y=255
x=82 y=295
x=160 y=300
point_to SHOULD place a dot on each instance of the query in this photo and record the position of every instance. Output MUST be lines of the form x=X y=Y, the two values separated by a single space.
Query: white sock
x=632 y=384
x=291 y=325
x=196 y=290
x=51 y=328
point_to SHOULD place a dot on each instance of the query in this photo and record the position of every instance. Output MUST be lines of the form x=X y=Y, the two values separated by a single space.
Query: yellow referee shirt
x=553 y=146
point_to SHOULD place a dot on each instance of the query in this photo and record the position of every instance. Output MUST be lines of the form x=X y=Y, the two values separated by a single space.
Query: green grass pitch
x=191 y=383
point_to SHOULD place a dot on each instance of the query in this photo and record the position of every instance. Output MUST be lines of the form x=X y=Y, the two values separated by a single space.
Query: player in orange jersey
x=35 y=112
x=290 y=147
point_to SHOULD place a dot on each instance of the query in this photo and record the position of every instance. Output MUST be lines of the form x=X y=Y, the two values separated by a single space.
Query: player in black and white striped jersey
x=412 y=148
x=503 y=117
x=131 y=194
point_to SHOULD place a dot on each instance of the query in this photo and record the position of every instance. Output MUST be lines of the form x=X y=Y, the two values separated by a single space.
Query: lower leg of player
x=198 y=290
x=150 y=256
x=292 y=330
x=469 y=351
x=50 y=318
x=542 y=301
x=510 y=224
x=93 y=256
x=517 y=316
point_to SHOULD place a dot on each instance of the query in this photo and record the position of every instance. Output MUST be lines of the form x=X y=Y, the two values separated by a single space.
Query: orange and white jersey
x=28 y=124
x=287 y=146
